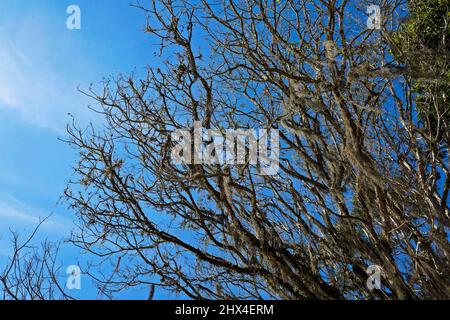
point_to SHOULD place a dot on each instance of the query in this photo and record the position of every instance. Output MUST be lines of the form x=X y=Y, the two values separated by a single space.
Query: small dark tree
x=32 y=272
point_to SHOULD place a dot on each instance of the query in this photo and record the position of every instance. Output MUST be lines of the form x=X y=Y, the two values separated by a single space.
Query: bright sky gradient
x=41 y=65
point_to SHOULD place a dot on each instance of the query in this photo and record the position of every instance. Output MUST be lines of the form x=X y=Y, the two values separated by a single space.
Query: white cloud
x=38 y=77
x=17 y=215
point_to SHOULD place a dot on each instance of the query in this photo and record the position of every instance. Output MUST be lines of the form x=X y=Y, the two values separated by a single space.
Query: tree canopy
x=363 y=171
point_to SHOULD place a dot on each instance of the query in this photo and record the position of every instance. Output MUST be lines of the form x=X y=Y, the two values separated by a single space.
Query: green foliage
x=423 y=44
x=426 y=26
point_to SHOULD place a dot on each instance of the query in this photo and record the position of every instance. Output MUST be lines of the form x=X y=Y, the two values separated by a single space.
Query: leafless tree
x=360 y=183
x=32 y=272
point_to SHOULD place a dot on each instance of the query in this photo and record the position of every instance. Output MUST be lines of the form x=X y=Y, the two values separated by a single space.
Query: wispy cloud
x=38 y=73
x=18 y=215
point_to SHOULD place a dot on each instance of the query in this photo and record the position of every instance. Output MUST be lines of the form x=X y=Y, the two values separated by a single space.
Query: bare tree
x=32 y=272
x=360 y=182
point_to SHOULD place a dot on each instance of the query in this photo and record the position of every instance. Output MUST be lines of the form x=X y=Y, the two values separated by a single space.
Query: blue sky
x=41 y=64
